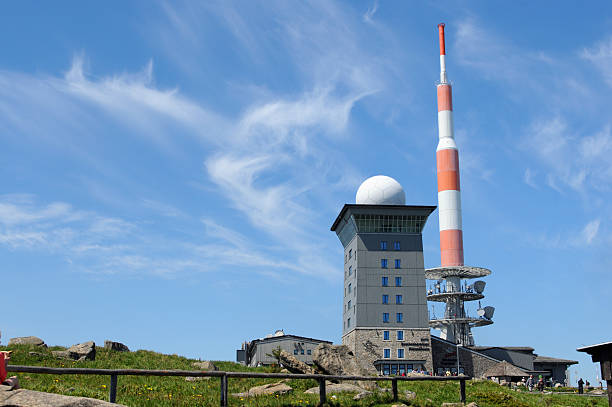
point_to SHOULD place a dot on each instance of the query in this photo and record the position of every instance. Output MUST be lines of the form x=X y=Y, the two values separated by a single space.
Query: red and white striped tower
x=447 y=157
x=456 y=325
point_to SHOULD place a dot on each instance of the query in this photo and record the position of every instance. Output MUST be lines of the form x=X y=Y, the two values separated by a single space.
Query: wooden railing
x=224 y=376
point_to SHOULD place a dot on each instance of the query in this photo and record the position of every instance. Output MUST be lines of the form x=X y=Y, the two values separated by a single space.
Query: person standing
x=580 y=386
x=530 y=383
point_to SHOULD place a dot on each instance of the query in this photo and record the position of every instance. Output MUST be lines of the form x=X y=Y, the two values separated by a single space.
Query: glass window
x=385 y=317
x=348 y=305
x=398 y=263
x=386 y=370
x=383 y=245
x=389 y=223
x=295 y=351
x=402 y=370
x=350 y=253
x=309 y=352
x=398 y=281
x=385 y=281
x=400 y=335
x=348 y=323
x=396 y=245
x=350 y=270
x=386 y=353
x=400 y=353
x=385 y=335
x=302 y=351
x=385 y=299
x=383 y=263
x=398 y=299
x=400 y=317
x=349 y=288
x=393 y=369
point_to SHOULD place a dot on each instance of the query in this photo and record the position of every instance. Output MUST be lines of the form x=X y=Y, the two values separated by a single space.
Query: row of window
x=385 y=281
x=398 y=299
x=387 y=335
x=384 y=263
x=387 y=353
x=399 y=317
x=308 y=351
x=396 y=245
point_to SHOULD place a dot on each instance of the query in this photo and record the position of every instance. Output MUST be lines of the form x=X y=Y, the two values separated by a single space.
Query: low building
x=259 y=351
x=475 y=361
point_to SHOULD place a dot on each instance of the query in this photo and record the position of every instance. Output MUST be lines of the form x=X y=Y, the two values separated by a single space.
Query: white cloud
x=601 y=57
x=589 y=233
x=529 y=178
x=369 y=14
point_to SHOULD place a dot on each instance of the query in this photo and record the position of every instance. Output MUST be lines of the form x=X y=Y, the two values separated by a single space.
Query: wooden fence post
x=224 y=391
x=112 y=392
x=394 y=387
x=322 y=397
x=462 y=389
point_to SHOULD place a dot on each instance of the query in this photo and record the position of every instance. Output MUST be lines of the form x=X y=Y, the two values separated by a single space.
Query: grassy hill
x=175 y=391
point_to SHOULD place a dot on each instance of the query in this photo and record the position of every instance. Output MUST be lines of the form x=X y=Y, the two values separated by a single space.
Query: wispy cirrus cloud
x=601 y=57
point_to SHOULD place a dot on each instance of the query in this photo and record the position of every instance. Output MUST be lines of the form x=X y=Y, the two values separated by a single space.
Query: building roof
x=505 y=369
x=548 y=359
x=296 y=337
x=402 y=209
x=512 y=348
x=600 y=352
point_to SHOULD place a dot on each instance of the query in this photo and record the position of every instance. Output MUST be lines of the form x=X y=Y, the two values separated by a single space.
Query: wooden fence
x=224 y=376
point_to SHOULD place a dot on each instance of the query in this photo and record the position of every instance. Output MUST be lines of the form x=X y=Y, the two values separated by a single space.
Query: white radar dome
x=380 y=190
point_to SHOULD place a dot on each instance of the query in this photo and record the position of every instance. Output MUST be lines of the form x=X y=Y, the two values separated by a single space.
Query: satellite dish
x=279 y=332
x=489 y=312
x=479 y=286
x=480 y=312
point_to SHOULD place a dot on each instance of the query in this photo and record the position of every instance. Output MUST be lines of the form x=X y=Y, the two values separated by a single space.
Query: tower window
x=400 y=335
x=383 y=245
x=386 y=353
x=385 y=317
x=385 y=299
x=350 y=270
x=348 y=323
x=400 y=353
x=396 y=245
x=348 y=305
x=398 y=263
x=385 y=335
x=399 y=299
x=398 y=281
x=350 y=253
x=349 y=288
x=385 y=281
x=383 y=263
x=400 y=317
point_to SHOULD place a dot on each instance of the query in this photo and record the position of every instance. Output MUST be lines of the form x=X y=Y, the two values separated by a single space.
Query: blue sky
x=170 y=170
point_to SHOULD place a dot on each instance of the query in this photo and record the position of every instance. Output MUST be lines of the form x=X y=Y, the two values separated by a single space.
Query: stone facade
x=369 y=344
x=474 y=364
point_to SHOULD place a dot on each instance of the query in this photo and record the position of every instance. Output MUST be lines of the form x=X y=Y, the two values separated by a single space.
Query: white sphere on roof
x=380 y=190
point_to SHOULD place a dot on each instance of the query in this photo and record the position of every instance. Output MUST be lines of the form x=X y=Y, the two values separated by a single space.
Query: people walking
x=530 y=383
x=580 y=386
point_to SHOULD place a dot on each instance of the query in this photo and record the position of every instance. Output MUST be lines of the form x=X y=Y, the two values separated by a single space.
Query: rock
x=472 y=404
x=27 y=340
x=294 y=365
x=195 y=379
x=283 y=370
x=272 y=388
x=30 y=398
x=399 y=405
x=362 y=395
x=37 y=354
x=80 y=351
x=115 y=346
x=558 y=385
x=339 y=360
x=205 y=365
x=410 y=395
x=336 y=388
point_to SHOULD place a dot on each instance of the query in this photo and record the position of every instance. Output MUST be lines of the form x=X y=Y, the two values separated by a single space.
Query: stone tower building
x=385 y=318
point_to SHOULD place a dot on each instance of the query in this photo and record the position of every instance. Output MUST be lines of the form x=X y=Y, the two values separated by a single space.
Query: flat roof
x=513 y=348
x=591 y=347
x=273 y=338
x=399 y=208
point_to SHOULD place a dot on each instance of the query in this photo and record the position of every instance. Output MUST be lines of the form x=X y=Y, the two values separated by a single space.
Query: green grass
x=175 y=391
